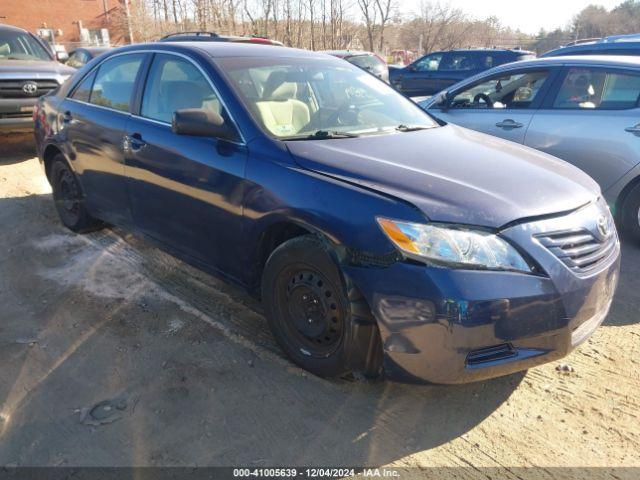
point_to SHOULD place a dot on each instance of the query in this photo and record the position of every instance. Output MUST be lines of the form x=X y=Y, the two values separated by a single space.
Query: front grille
x=579 y=249
x=14 y=88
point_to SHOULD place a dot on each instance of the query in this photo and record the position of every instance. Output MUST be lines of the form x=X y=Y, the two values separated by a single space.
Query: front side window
x=517 y=90
x=16 y=45
x=430 y=63
x=115 y=82
x=301 y=97
x=175 y=84
x=458 y=62
x=589 y=89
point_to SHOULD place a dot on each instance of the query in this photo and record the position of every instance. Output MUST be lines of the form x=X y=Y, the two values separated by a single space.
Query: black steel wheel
x=315 y=317
x=68 y=198
x=309 y=303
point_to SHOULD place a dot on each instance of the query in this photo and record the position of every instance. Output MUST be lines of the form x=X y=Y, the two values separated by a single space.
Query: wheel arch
x=623 y=195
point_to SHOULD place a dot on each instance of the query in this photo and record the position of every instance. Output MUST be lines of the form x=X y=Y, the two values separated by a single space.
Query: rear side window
x=459 y=62
x=175 y=84
x=77 y=59
x=115 y=82
x=83 y=91
x=589 y=89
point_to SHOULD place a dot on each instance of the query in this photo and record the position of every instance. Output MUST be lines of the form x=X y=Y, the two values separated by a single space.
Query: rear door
x=502 y=104
x=185 y=191
x=592 y=120
x=93 y=120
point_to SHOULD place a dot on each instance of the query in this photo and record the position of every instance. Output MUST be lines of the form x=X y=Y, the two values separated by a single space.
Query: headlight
x=453 y=246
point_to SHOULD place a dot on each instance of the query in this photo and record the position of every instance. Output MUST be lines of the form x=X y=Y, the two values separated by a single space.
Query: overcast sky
x=528 y=16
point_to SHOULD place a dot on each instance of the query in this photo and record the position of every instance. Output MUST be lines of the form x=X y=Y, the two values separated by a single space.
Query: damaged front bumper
x=454 y=326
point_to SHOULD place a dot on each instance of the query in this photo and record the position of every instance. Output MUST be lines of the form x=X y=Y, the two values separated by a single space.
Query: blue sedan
x=378 y=239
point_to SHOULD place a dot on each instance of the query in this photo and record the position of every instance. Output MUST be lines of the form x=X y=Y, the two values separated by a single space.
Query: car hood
x=453 y=174
x=35 y=68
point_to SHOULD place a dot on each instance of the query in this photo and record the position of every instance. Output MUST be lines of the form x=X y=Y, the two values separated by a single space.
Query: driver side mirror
x=62 y=57
x=199 y=122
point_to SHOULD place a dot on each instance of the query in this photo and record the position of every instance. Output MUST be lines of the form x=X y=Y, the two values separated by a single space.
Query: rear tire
x=69 y=199
x=631 y=214
x=311 y=311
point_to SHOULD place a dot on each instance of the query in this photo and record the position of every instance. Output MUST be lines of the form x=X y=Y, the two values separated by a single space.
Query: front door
x=185 y=191
x=593 y=122
x=418 y=79
x=501 y=105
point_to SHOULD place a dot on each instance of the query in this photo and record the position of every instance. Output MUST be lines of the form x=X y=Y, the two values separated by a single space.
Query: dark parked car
x=438 y=70
x=28 y=69
x=278 y=169
x=214 y=37
x=583 y=109
x=616 y=45
x=367 y=61
x=83 y=55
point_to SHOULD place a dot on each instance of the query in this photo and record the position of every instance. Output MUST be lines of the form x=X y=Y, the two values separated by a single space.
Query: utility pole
x=128 y=15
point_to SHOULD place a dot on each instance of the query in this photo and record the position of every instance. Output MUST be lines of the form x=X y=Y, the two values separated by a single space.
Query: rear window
x=368 y=62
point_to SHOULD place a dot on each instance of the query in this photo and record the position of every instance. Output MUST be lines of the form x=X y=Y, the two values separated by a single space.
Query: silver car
x=582 y=109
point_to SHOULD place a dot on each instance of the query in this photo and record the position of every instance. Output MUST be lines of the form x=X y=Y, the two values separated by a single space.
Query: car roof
x=596 y=45
x=4 y=26
x=607 y=60
x=346 y=53
x=486 y=50
x=93 y=49
x=228 y=49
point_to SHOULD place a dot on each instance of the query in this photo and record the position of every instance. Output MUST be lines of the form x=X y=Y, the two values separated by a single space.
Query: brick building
x=72 y=22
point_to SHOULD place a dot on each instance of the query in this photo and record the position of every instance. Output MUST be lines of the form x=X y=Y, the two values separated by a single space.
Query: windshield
x=16 y=45
x=295 y=98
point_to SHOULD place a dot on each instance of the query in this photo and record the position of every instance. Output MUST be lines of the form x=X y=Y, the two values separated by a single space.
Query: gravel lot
x=113 y=353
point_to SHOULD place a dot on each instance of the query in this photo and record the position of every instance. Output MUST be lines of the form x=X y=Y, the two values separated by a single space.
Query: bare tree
x=367 y=7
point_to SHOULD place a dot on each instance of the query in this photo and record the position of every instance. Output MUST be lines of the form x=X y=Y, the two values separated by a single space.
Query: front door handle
x=509 y=124
x=134 y=143
x=635 y=130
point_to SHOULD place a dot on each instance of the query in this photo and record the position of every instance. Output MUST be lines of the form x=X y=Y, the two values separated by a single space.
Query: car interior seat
x=281 y=112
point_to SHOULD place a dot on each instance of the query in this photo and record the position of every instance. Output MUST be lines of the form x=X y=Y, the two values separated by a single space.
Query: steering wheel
x=482 y=96
x=347 y=114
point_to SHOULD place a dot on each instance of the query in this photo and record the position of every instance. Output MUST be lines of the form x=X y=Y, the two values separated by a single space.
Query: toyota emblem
x=30 y=88
x=603 y=226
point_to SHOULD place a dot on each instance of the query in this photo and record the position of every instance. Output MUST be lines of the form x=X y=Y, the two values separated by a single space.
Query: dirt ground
x=190 y=374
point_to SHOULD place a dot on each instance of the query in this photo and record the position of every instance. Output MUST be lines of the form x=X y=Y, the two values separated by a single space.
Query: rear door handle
x=635 y=130
x=67 y=117
x=509 y=124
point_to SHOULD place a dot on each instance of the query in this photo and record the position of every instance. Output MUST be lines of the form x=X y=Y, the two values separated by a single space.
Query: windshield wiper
x=411 y=128
x=322 y=135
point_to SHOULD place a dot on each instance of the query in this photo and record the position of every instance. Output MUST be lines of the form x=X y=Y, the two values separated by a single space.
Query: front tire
x=69 y=200
x=631 y=214
x=311 y=313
